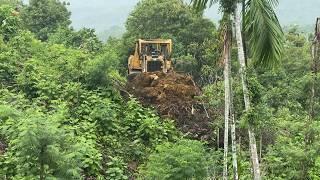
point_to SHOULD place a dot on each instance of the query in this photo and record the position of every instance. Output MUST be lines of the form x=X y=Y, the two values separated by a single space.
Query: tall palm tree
x=227 y=85
x=265 y=38
x=228 y=110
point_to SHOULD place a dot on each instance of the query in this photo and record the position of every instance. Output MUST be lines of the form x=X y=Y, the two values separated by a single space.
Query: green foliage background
x=62 y=115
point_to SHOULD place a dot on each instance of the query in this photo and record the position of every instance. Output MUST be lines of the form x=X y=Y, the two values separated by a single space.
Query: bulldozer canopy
x=167 y=42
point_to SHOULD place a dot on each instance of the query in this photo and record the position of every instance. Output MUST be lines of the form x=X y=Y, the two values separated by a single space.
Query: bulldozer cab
x=150 y=56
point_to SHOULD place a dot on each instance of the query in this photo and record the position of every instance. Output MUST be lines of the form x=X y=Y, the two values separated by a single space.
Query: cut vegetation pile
x=173 y=96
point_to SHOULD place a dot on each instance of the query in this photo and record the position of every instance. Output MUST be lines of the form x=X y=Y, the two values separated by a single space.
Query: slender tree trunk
x=233 y=133
x=243 y=10
x=41 y=163
x=234 y=142
x=241 y=57
x=260 y=147
x=218 y=138
x=41 y=172
x=314 y=72
x=314 y=68
x=226 y=54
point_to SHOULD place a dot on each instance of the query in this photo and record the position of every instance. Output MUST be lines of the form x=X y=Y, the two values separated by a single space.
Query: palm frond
x=264 y=32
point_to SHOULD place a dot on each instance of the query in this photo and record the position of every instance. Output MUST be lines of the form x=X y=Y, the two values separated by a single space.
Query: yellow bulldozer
x=151 y=56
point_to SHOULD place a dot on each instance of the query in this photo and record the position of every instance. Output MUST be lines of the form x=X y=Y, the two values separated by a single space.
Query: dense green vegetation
x=63 y=116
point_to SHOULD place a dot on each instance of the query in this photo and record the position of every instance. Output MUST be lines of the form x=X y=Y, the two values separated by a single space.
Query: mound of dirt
x=173 y=96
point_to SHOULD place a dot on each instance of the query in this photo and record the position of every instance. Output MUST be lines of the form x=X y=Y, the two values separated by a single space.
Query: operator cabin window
x=164 y=51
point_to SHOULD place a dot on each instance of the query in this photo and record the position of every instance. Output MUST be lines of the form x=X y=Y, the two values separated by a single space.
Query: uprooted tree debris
x=173 y=96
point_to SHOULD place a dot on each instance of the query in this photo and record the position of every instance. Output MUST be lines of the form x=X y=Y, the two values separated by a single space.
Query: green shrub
x=185 y=159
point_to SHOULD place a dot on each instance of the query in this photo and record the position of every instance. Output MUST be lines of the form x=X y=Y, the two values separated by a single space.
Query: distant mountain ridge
x=104 y=15
x=300 y=12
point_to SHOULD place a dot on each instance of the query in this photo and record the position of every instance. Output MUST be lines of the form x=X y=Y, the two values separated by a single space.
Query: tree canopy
x=45 y=16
